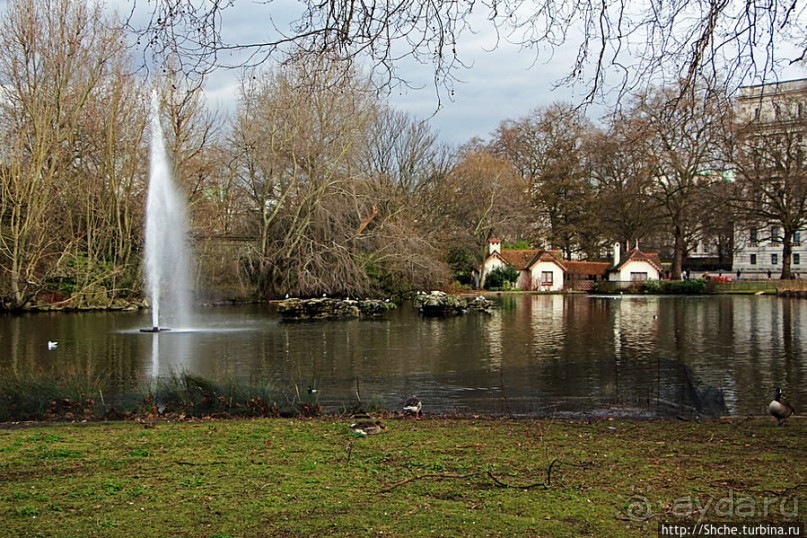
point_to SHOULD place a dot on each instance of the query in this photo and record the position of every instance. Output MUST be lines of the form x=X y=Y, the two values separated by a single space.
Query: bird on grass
x=52 y=345
x=413 y=406
x=368 y=427
x=779 y=408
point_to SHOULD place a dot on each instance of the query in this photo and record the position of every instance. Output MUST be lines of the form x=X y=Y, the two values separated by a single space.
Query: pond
x=536 y=354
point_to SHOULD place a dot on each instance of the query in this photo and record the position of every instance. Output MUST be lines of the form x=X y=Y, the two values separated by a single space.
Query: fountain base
x=154 y=329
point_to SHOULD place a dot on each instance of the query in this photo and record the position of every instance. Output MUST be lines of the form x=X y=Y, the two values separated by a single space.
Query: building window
x=638 y=277
x=797 y=238
x=753 y=236
x=796 y=259
x=753 y=259
x=547 y=278
x=775 y=234
x=774 y=259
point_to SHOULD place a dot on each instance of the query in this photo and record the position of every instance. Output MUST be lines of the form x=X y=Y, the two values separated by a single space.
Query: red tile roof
x=547 y=256
x=587 y=268
x=526 y=258
x=636 y=255
x=518 y=258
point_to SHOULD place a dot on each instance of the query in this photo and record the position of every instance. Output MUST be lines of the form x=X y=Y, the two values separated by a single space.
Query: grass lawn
x=430 y=477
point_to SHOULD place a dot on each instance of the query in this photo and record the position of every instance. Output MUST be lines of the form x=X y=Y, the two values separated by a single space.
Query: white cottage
x=637 y=266
x=539 y=269
x=544 y=272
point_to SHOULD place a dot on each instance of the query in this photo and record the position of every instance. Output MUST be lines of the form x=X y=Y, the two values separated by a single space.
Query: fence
x=754 y=286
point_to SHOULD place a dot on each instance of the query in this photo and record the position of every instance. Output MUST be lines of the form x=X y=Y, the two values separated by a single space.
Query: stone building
x=774 y=117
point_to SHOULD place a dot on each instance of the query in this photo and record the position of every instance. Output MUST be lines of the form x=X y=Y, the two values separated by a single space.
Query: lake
x=536 y=354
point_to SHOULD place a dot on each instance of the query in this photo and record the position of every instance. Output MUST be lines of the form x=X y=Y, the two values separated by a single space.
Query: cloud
x=502 y=81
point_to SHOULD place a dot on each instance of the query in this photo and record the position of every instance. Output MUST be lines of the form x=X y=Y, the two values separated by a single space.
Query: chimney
x=617 y=246
x=494 y=245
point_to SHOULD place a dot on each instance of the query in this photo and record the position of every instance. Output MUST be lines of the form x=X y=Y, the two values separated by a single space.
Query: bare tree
x=547 y=147
x=682 y=138
x=59 y=58
x=299 y=139
x=632 y=41
x=402 y=154
x=480 y=196
x=623 y=179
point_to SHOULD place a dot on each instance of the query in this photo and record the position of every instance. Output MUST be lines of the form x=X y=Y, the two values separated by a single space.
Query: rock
x=326 y=308
x=442 y=304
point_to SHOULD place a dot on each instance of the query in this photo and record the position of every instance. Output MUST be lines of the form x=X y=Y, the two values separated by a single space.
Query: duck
x=368 y=427
x=779 y=408
x=413 y=406
x=52 y=345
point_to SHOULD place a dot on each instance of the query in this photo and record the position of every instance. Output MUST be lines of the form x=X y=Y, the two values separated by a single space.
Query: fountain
x=166 y=260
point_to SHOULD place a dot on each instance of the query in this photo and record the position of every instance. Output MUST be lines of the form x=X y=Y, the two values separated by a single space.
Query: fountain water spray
x=166 y=260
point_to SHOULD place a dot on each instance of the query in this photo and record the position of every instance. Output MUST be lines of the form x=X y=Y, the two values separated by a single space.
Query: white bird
x=368 y=427
x=52 y=345
x=413 y=406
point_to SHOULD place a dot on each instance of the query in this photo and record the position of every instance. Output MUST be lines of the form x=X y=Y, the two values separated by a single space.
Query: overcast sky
x=502 y=82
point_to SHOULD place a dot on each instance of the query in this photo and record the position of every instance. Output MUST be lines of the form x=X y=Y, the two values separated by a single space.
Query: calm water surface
x=542 y=354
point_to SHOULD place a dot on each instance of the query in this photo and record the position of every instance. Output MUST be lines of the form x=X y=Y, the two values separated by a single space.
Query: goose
x=413 y=406
x=368 y=427
x=780 y=409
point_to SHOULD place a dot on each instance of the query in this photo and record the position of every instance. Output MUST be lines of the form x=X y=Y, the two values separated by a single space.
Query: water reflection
x=535 y=354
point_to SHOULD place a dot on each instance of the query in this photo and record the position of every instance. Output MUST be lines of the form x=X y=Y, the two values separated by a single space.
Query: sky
x=502 y=82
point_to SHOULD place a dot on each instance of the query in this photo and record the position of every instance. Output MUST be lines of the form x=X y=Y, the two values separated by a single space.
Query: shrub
x=676 y=287
x=501 y=278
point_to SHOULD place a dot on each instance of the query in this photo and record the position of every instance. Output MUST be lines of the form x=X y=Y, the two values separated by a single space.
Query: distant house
x=637 y=266
x=546 y=270
x=583 y=275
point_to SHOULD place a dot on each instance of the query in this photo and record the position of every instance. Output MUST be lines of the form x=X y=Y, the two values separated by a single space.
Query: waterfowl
x=368 y=427
x=52 y=345
x=779 y=408
x=412 y=406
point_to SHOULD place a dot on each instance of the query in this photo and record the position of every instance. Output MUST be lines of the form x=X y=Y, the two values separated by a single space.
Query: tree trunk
x=678 y=253
x=787 y=254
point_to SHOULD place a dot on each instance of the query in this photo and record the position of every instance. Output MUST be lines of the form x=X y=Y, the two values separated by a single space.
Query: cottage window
x=775 y=234
x=797 y=238
x=753 y=234
x=638 y=277
x=796 y=259
x=753 y=259
x=547 y=278
x=774 y=259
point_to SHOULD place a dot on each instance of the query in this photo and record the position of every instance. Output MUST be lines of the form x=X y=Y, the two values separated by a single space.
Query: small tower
x=494 y=245
x=617 y=248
